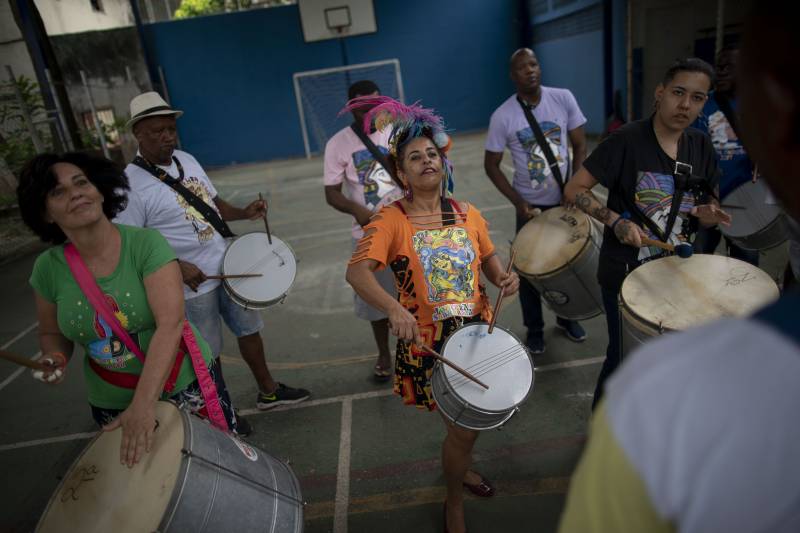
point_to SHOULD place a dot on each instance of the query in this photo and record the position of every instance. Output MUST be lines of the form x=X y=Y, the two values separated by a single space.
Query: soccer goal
x=321 y=94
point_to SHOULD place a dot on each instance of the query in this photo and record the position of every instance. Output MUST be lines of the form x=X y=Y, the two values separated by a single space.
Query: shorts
x=206 y=310
x=385 y=278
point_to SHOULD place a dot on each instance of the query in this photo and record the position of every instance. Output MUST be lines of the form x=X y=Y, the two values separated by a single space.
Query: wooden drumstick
x=683 y=249
x=436 y=355
x=234 y=276
x=266 y=224
x=24 y=361
x=502 y=292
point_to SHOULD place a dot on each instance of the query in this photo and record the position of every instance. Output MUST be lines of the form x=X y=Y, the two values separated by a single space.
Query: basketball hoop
x=337 y=19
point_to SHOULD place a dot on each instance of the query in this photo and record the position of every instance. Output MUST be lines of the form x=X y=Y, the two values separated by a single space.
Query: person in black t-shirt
x=637 y=164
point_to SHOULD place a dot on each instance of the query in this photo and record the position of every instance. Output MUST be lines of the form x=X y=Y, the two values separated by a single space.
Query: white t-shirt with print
x=363 y=179
x=557 y=113
x=153 y=204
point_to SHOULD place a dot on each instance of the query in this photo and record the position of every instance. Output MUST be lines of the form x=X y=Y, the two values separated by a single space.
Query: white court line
x=342 y=501
x=14 y=375
x=51 y=440
x=19 y=335
x=323 y=401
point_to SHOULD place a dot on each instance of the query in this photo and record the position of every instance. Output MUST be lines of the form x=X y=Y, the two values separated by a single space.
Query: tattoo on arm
x=589 y=204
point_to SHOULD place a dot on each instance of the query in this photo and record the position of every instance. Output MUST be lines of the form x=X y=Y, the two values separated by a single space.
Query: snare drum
x=673 y=294
x=499 y=360
x=757 y=222
x=195 y=478
x=253 y=254
x=558 y=252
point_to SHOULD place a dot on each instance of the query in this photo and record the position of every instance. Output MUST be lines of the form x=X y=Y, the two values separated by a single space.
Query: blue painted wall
x=576 y=63
x=232 y=74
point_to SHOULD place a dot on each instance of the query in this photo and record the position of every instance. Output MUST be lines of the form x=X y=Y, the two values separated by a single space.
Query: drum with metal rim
x=195 y=478
x=252 y=253
x=558 y=252
x=498 y=359
x=757 y=222
x=674 y=294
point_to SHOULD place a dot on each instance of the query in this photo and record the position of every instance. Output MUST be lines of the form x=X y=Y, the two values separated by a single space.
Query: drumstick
x=658 y=244
x=234 y=276
x=683 y=249
x=24 y=361
x=436 y=355
x=502 y=292
x=266 y=224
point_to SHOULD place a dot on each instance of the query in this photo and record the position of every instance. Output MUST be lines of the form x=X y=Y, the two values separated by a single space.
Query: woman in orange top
x=437 y=248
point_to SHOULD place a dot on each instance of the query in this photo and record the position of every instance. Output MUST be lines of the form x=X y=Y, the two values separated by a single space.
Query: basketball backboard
x=332 y=19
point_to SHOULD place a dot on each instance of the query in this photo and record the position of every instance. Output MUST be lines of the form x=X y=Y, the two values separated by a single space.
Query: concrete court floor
x=366 y=462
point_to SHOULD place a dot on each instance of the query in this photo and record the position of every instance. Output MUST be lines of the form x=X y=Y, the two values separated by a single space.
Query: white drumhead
x=253 y=254
x=676 y=293
x=551 y=240
x=498 y=359
x=751 y=208
x=98 y=494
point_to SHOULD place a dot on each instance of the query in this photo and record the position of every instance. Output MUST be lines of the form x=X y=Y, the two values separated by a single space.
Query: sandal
x=381 y=374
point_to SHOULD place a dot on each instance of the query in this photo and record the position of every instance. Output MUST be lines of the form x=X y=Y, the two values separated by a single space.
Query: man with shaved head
x=540 y=168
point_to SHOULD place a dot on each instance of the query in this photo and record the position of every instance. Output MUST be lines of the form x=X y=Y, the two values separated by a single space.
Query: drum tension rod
x=189 y=453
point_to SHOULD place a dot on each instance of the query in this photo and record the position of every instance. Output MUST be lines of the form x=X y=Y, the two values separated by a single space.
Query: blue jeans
x=207 y=311
x=614 y=348
x=707 y=240
x=530 y=299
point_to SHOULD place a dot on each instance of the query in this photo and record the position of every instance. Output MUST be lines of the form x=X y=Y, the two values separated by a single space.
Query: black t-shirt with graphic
x=639 y=177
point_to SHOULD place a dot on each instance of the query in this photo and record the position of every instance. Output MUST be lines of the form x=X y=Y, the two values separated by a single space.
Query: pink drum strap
x=189 y=345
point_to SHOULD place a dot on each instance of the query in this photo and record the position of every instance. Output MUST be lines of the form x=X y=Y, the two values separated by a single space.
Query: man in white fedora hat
x=171 y=192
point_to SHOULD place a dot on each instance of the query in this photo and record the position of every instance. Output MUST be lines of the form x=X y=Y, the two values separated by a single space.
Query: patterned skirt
x=413 y=367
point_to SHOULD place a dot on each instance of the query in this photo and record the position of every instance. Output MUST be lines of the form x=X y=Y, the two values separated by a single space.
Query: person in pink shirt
x=358 y=183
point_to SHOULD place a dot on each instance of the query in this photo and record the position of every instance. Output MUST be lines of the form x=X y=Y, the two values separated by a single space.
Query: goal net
x=321 y=94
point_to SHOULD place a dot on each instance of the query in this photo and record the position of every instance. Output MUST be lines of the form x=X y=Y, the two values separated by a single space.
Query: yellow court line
x=307 y=364
x=390 y=501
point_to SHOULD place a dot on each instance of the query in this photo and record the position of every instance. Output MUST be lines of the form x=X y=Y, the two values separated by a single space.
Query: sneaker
x=243 y=428
x=281 y=396
x=535 y=344
x=573 y=330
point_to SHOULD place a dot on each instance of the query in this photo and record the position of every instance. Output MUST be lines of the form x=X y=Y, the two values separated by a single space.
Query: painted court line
x=349 y=398
x=343 y=470
x=19 y=335
x=51 y=440
x=14 y=375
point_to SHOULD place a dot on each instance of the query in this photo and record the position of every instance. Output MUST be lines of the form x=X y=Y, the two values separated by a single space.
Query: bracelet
x=614 y=224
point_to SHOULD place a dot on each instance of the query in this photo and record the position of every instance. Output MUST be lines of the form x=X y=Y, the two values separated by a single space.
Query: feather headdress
x=407 y=122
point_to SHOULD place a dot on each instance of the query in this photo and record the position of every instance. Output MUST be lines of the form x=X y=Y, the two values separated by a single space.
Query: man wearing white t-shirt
x=356 y=183
x=534 y=186
x=197 y=242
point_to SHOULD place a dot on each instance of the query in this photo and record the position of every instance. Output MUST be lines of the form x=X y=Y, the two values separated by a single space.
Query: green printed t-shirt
x=143 y=251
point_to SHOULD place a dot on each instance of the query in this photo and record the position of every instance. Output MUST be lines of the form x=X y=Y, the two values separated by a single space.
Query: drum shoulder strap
x=206 y=211
x=552 y=162
x=379 y=156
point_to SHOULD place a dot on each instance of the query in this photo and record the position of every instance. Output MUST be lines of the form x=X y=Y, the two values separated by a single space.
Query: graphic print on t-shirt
x=372 y=176
x=538 y=169
x=108 y=350
x=653 y=198
x=204 y=230
x=446 y=256
x=724 y=139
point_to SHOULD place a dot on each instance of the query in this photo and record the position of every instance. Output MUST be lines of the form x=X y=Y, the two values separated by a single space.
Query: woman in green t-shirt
x=73 y=198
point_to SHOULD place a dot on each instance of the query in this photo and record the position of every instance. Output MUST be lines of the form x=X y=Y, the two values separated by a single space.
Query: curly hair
x=37 y=179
